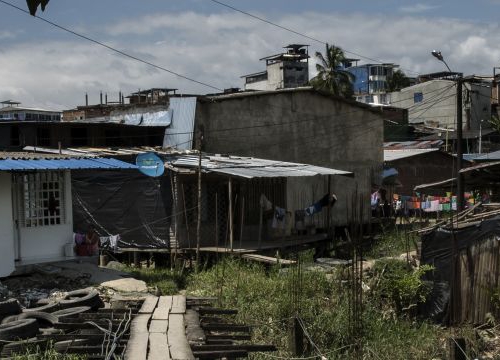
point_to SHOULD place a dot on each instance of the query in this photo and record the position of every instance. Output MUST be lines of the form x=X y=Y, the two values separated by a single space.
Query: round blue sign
x=150 y=164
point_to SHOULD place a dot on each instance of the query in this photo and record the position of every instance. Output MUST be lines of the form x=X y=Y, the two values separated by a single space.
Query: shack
x=36 y=217
x=466 y=271
x=249 y=203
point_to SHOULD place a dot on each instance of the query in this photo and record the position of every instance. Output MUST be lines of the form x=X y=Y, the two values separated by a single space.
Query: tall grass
x=265 y=300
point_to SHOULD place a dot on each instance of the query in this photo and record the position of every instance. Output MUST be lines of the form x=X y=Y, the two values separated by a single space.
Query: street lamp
x=439 y=56
x=460 y=184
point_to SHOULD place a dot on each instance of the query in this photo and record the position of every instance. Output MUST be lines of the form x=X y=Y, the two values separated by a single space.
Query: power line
x=123 y=53
x=298 y=33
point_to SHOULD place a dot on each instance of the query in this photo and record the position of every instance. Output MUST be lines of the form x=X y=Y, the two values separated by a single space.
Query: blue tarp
x=63 y=164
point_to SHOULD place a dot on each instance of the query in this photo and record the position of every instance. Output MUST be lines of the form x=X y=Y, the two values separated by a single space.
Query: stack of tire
x=19 y=327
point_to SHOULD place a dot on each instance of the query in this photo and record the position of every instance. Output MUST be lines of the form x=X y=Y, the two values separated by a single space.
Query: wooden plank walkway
x=158 y=332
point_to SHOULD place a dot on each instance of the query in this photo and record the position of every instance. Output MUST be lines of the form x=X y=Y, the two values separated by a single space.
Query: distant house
x=370 y=82
x=142 y=122
x=417 y=166
x=12 y=111
x=36 y=205
x=432 y=103
x=289 y=69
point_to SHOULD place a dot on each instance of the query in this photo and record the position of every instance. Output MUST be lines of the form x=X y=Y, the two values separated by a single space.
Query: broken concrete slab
x=127 y=285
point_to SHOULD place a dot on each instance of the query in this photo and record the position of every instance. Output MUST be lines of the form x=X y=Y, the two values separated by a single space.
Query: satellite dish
x=150 y=164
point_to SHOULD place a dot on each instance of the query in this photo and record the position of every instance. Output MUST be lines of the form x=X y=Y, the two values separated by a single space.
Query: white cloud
x=218 y=49
x=6 y=35
x=417 y=8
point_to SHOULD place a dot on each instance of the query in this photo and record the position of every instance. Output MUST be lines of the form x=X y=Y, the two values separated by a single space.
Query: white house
x=36 y=219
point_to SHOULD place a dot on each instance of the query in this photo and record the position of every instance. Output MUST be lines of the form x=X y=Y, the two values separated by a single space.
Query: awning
x=249 y=168
x=63 y=164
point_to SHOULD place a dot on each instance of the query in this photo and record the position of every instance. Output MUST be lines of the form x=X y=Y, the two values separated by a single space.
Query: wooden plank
x=158 y=326
x=137 y=346
x=178 y=304
x=163 y=308
x=179 y=346
x=158 y=347
x=149 y=305
x=268 y=259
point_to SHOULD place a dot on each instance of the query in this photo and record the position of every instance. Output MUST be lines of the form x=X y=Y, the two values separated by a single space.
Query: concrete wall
x=6 y=225
x=438 y=105
x=47 y=242
x=299 y=125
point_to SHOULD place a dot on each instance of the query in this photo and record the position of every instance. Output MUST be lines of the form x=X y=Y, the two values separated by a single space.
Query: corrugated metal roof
x=180 y=132
x=391 y=155
x=495 y=155
x=249 y=168
x=417 y=144
x=63 y=164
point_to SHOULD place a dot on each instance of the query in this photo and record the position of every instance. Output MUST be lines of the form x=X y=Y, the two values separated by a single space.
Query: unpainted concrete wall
x=299 y=125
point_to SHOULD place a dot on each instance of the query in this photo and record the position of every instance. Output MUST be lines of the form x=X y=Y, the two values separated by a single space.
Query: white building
x=286 y=70
x=11 y=111
x=432 y=104
x=36 y=218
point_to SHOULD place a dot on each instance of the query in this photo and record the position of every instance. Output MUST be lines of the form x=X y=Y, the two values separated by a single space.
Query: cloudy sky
x=41 y=65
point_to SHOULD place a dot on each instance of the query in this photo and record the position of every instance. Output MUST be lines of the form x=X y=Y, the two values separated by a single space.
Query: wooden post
x=297 y=338
x=241 y=222
x=185 y=215
x=198 y=225
x=216 y=223
x=231 y=233
x=328 y=213
x=261 y=214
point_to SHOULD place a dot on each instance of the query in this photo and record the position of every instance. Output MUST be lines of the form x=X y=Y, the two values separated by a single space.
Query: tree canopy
x=397 y=81
x=332 y=77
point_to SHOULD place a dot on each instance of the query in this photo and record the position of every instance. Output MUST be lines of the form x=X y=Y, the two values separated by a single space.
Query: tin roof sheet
x=17 y=164
x=391 y=155
x=248 y=168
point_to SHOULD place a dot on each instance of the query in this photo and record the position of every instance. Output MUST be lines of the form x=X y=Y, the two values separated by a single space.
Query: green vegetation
x=331 y=76
x=268 y=299
x=167 y=282
x=391 y=243
x=34 y=353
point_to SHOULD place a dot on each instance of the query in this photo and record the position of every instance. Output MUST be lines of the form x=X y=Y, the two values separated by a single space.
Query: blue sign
x=150 y=164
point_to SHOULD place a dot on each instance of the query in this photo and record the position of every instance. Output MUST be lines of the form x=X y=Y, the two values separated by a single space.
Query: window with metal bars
x=40 y=198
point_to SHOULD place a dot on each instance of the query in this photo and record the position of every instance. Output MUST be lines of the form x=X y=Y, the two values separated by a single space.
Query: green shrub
x=394 y=281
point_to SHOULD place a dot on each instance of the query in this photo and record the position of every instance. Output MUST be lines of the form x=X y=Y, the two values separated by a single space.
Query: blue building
x=370 y=83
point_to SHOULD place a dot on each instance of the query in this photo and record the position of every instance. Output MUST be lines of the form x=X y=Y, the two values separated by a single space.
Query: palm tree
x=331 y=74
x=397 y=81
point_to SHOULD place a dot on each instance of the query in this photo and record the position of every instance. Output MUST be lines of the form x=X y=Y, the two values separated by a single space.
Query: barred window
x=40 y=198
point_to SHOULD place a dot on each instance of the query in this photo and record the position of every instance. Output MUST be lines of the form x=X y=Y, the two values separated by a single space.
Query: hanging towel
x=265 y=203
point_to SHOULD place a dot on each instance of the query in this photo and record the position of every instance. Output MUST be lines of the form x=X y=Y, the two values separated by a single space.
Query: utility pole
x=460 y=179
x=198 y=225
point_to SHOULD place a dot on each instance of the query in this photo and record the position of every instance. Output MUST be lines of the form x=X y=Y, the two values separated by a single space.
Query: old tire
x=44 y=319
x=48 y=308
x=19 y=329
x=9 y=307
x=9 y=319
x=84 y=297
x=69 y=312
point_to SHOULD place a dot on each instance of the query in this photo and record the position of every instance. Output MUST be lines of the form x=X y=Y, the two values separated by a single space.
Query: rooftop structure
x=11 y=111
x=285 y=70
